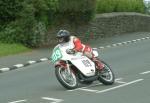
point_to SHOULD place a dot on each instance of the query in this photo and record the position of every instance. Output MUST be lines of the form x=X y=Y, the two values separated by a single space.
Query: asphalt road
x=37 y=83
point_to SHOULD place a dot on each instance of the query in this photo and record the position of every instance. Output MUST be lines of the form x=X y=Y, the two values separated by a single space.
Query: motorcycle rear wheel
x=106 y=76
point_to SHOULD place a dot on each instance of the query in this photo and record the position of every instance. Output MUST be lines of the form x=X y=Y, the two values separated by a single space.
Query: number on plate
x=56 y=55
x=86 y=63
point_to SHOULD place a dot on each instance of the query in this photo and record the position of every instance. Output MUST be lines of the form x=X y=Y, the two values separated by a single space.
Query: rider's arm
x=78 y=45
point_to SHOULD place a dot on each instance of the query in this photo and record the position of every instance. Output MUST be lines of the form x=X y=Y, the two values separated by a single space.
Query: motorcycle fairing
x=85 y=65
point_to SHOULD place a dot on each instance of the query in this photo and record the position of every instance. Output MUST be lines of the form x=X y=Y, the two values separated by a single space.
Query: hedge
x=106 y=6
x=27 y=21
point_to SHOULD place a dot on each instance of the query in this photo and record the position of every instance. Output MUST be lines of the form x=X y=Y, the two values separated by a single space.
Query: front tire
x=106 y=76
x=66 y=80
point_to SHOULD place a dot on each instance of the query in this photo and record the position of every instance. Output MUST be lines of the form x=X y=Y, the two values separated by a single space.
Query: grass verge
x=9 y=49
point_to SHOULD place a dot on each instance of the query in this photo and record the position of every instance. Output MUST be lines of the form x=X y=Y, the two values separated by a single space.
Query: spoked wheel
x=106 y=76
x=68 y=80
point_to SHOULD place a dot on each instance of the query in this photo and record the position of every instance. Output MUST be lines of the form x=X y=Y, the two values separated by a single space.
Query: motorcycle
x=73 y=68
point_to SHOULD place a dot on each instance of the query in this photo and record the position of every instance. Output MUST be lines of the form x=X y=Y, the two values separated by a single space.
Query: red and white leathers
x=87 y=50
x=79 y=47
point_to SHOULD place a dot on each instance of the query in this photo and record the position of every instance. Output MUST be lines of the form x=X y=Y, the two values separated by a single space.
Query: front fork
x=68 y=68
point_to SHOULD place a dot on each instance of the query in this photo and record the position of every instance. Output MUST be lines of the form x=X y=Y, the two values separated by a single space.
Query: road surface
x=37 y=83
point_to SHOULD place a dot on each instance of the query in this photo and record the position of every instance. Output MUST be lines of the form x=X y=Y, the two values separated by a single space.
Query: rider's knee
x=88 y=54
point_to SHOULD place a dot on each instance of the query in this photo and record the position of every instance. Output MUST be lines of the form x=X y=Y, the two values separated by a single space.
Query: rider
x=64 y=36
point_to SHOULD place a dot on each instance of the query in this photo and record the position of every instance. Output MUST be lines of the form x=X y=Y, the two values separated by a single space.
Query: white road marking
x=54 y=100
x=101 y=47
x=108 y=46
x=93 y=85
x=121 y=82
x=19 y=65
x=145 y=72
x=114 y=44
x=138 y=39
x=134 y=40
x=19 y=101
x=119 y=43
x=128 y=41
x=44 y=59
x=31 y=62
x=5 y=69
x=88 y=90
x=86 y=87
x=109 y=89
x=118 y=79
x=92 y=90
x=124 y=42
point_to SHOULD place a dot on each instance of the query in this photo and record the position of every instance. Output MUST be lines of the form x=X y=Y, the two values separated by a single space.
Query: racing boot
x=98 y=63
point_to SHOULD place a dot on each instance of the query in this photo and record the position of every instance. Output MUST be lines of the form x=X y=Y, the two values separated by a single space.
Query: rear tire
x=66 y=80
x=106 y=76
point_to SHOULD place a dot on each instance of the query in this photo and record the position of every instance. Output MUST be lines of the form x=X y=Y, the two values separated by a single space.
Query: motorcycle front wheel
x=106 y=76
x=67 y=80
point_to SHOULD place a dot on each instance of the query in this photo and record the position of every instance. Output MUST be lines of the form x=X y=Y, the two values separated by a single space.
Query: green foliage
x=104 y=6
x=147 y=7
x=53 y=5
x=8 y=34
x=76 y=5
x=25 y=29
x=77 y=10
x=9 y=10
x=27 y=21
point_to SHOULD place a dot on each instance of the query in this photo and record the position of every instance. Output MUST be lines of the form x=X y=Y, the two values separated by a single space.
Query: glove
x=70 y=51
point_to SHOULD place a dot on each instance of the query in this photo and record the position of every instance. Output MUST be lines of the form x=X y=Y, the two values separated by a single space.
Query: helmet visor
x=60 y=39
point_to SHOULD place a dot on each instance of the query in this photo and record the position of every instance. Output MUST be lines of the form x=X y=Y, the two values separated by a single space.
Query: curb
x=124 y=43
x=17 y=66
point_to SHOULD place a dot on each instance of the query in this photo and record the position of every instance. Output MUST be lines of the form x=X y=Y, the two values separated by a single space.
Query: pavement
x=12 y=62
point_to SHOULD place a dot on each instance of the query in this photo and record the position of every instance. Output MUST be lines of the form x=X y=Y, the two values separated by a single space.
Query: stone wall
x=110 y=24
x=105 y=25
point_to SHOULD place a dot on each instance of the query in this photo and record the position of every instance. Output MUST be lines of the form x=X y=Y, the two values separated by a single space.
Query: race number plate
x=56 y=55
x=86 y=63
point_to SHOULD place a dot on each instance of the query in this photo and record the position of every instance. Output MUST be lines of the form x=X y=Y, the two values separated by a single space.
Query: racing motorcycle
x=73 y=68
